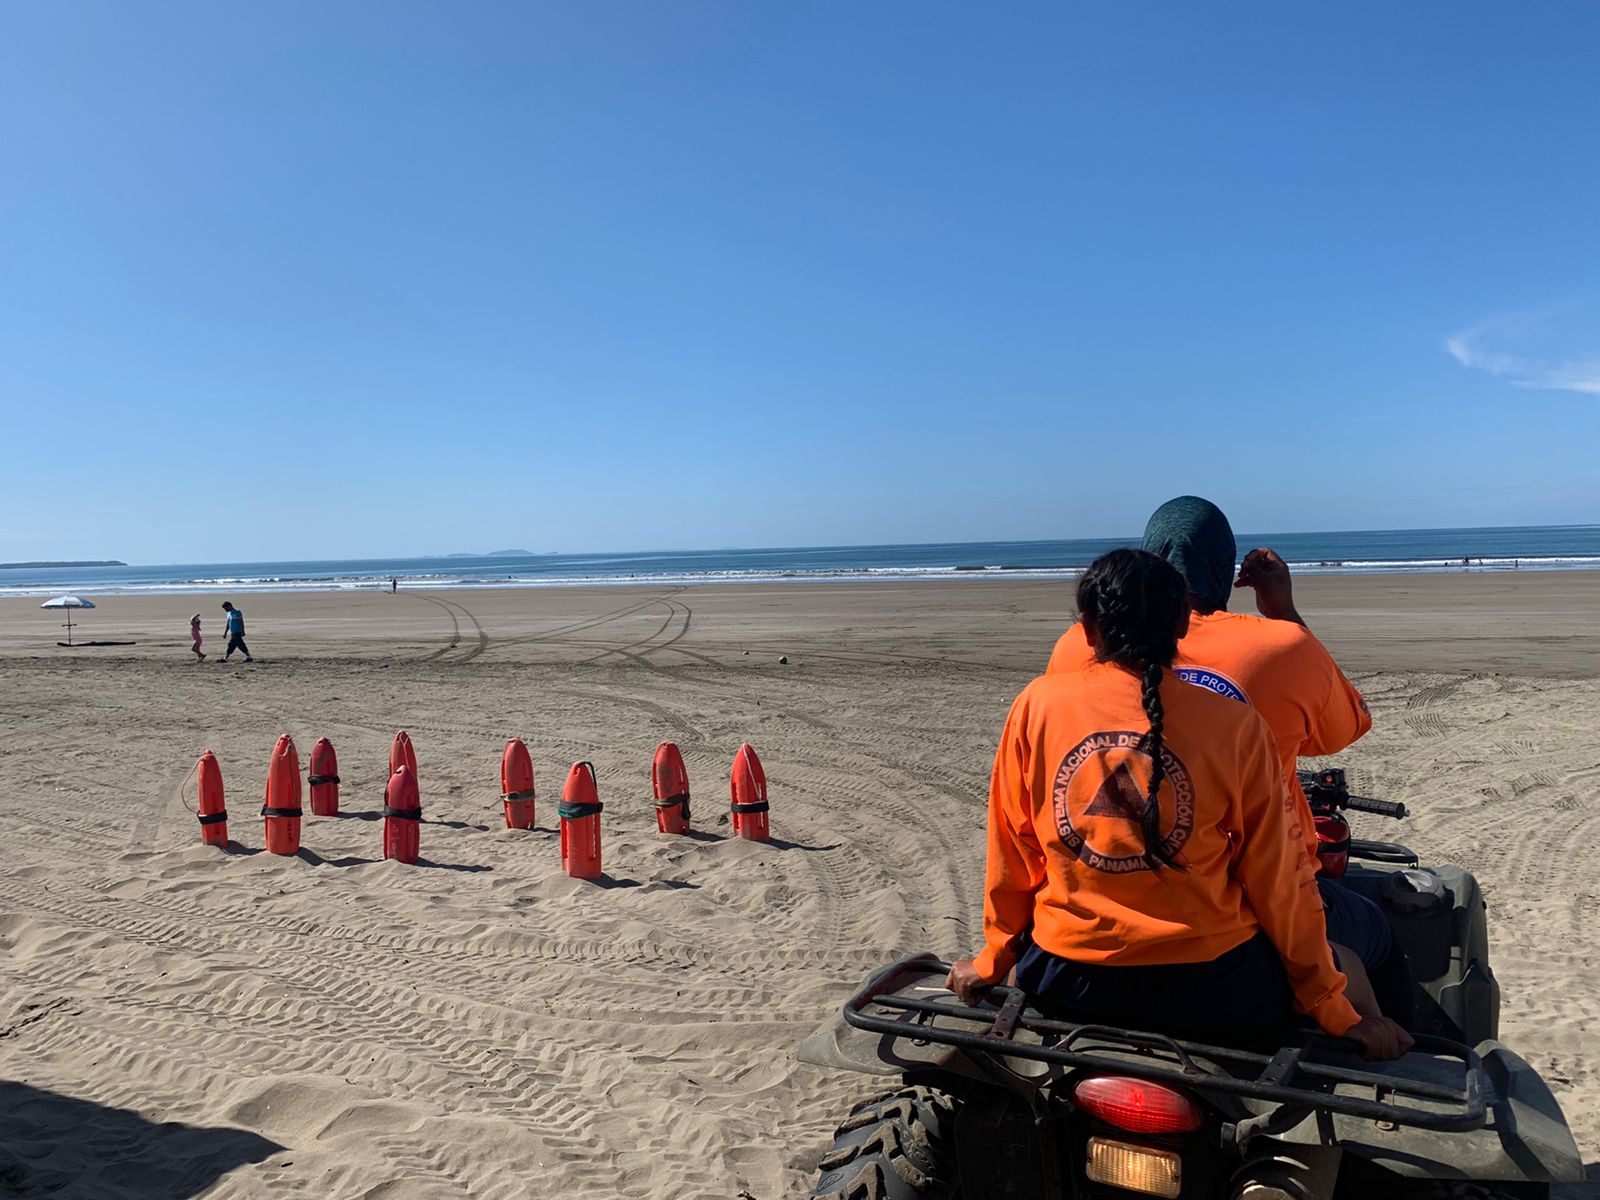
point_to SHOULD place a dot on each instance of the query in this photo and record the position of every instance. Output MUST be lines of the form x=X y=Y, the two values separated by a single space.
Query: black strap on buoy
x=314 y=780
x=755 y=807
x=681 y=800
x=527 y=795
x=213 y=818
x=571 y=812
x=404 y=814
x=280 y=812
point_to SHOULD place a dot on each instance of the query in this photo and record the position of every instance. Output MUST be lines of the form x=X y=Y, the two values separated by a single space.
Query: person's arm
x=1016 y=868
x=1337 y=714
x=1268 y=574
x=1279 y=881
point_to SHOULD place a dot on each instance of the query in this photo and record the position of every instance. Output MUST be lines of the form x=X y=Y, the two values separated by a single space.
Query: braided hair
x=1136 y=601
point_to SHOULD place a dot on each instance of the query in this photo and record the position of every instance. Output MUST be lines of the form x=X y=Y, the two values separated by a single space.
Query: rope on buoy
x=183 y=788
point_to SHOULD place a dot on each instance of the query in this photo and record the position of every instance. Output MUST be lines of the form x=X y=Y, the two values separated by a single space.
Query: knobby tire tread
x=893 y=1147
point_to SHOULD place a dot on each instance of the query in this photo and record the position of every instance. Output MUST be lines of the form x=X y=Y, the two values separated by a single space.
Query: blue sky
x=319 y=280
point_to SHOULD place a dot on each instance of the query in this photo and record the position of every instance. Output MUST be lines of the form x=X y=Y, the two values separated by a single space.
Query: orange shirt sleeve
x=1016 y=865
x=1281 y=886
x=1336 y=715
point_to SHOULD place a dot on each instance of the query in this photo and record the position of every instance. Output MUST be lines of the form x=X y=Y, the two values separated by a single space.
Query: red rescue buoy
x=580 y=823
x=402 y=817
x=671 y=782
x=324 y=780
x=213 y=812
x=516 y=785
x=749 y=796
x=402 y=753
x=281 y=809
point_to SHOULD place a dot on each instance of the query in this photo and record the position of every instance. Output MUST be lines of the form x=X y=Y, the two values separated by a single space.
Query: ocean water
x=1563 y=547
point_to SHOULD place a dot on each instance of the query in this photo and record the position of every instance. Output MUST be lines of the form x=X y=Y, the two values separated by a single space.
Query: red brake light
x=1137 y=1105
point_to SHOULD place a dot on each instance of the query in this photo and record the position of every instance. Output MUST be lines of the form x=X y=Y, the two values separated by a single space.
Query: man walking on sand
x=235 y=632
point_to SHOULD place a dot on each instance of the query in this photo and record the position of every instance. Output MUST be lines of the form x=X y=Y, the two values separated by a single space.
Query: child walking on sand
x=194 y=632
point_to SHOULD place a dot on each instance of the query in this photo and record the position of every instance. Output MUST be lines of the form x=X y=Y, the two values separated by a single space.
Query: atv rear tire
x=896 y=1147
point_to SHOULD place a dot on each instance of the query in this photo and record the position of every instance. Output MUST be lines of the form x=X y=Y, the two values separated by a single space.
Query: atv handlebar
x=1329 y=789
x=1380 y=808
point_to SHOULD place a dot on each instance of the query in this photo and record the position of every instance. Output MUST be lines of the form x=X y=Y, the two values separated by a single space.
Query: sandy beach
x=191 y=1022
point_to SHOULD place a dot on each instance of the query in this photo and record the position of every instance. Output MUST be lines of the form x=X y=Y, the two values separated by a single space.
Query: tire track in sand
x=468 y=1054
x=455 y=612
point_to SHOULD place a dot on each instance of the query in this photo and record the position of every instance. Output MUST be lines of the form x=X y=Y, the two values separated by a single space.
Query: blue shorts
x=1356 y=923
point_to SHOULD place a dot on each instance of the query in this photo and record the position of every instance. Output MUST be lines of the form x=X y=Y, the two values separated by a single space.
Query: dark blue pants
x=1361 y=926
x=1356 y=923
x=1239 y=999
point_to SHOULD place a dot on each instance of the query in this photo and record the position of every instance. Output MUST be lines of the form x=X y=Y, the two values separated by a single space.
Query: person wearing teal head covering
x=1193 y=535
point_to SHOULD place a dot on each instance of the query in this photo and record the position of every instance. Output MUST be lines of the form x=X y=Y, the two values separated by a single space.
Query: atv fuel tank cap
x=1414 y=889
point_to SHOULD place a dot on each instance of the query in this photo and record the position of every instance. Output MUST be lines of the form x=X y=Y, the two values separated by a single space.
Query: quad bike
x=996 y=1102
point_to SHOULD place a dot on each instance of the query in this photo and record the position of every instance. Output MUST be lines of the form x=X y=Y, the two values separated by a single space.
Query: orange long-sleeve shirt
x=1064 y=839
x=1278 y=668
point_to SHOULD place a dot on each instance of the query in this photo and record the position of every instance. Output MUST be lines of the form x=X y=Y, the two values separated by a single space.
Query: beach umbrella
x=69 y=603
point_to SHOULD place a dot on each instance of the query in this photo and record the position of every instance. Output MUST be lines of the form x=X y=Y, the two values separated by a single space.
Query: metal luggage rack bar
x=1286 y=1077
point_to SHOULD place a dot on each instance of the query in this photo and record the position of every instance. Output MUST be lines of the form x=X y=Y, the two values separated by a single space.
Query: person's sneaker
x=247 y=658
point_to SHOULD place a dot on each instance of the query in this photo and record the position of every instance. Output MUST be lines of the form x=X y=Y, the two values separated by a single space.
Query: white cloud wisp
x=1477 y=348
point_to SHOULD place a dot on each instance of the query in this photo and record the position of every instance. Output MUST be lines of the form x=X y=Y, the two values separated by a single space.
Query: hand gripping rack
x=1293 y=1077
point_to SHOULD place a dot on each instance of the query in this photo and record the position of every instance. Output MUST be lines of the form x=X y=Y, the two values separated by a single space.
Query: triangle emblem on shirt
x=1120 y=796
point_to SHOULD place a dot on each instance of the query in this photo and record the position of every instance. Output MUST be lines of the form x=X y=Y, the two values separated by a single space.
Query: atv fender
x=1524 y=1139
x=840 y=1046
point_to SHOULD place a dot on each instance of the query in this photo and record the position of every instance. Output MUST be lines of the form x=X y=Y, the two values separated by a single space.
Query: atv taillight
x=1137 y=1105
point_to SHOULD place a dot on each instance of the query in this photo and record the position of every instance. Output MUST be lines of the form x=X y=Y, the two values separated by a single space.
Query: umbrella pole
x=69 y=627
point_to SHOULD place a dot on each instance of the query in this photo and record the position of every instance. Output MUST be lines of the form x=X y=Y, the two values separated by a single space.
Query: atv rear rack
x=1290 y=1077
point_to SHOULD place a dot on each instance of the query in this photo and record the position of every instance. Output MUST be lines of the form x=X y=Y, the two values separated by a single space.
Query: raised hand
x=1267 y=573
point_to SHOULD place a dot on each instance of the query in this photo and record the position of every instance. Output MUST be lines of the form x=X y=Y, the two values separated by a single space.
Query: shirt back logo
x=1099 y=798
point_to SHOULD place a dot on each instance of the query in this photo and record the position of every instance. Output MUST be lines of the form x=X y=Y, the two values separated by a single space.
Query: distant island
x=106 y=562
x=494 y=554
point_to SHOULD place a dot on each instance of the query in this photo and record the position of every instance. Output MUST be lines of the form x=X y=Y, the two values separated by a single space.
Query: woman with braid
x=1144 y=866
